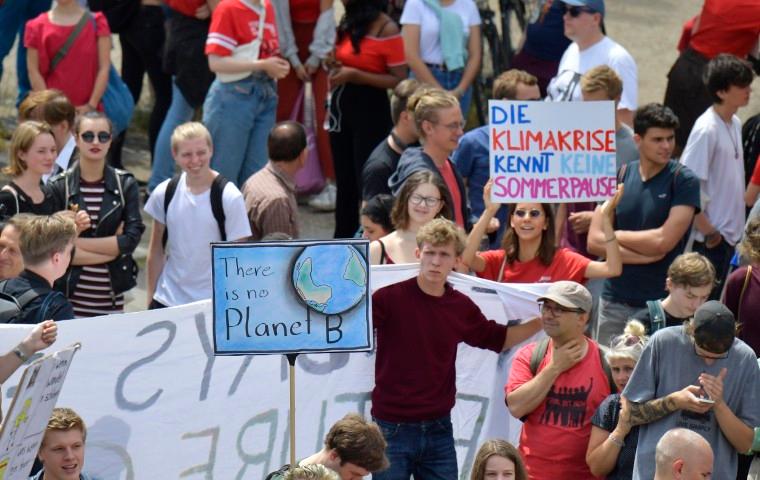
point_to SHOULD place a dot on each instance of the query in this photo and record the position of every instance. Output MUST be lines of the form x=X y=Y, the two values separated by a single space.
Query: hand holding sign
x=609 y=206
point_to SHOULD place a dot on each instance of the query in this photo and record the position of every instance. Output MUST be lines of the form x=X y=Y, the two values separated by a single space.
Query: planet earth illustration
x=330 y=279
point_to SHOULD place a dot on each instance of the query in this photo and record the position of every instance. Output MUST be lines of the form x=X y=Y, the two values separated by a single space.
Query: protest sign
x=27 y=417
x=291 y=297
x=551 y=152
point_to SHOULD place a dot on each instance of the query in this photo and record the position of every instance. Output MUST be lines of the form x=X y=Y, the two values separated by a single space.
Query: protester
x=421 y=199
x=700 y=376
x=528 y=253
x=584 y=25
x=375 y=217
x=179 y=256
x=270 y=193
x=102 y=267
x=353 y=448
x=713 y=153
x=556 y=385
x=498 y=460
x=31 y=155
x=79 y=71
x=442 y=45
x=47 y=244
x=311 y=472
x=63 y=446
x=743 y=287
x=440 y=125
x=682 y=454
x=11 y=261
x=42 y=336
x=652 y=221
x=369 y=59
x=612 y=445
x=413 y=405
x=383 y=160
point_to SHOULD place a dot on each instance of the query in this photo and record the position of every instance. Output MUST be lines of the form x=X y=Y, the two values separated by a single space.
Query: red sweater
x=417 y=339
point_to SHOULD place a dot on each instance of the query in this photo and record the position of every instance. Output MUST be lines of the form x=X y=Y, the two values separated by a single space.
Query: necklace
x=731 y=136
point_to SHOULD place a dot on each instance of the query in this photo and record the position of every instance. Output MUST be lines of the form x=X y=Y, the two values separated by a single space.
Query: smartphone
x=705 y=400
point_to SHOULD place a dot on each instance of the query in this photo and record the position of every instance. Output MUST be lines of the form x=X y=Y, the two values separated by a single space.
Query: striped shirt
x=93 y=294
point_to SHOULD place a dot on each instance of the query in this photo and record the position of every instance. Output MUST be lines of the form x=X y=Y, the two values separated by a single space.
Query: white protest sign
x=159 y=404
x=551 y=152
x=28 y=415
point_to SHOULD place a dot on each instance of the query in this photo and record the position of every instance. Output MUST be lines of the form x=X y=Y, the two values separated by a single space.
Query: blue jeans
x=180 y=111
x=13 y=17
x=423 y=449
x=449 y=81
x=239 y=116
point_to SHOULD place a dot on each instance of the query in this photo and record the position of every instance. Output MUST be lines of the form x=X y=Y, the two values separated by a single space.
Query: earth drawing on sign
x=330 y=279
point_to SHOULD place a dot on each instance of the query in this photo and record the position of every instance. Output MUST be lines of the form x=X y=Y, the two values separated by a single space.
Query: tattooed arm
x=653 y=410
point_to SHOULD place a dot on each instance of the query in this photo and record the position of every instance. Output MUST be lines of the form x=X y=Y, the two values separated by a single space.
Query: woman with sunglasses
x=102 y=267
x=421 y=199
x=529 y=253
x=612 y=445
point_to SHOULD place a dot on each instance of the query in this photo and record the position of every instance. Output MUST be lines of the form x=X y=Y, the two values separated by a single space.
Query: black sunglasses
x=575 y=10
x=534 y=213
x=89 y=136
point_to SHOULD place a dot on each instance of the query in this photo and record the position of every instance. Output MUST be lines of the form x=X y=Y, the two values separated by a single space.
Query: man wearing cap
x=700 y=377
x=557 y=393
x=584 y=25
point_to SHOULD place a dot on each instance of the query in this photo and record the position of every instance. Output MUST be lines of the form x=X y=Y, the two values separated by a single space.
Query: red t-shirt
x=727 y=26
x=417 y=339
x=304 y=11
x=756 y=172
x=75 y=73
x=235 y=23
x=555 y=435
x=456 y=196
x=375 y=55
x=186 y=7
x=567 y=265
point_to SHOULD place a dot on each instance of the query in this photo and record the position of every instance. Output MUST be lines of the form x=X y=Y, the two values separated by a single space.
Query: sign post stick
x=292 y=375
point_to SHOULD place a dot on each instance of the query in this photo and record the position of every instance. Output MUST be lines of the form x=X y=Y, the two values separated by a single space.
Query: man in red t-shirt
x=557 y=397
x=420 y=323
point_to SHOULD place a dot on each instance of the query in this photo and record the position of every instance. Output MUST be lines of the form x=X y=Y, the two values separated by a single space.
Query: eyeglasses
x=453 y=126
x=701 y=352
x=556 y=310
x=575 y=11
x=429 y=201
x=534 y=213
x=89 y=136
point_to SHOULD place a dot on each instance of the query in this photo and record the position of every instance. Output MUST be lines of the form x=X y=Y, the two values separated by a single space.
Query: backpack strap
x=744 y=289
x=656 y=315
x=41 y=313
x=217 y=206
x=500 y=278
x=621 y=173
x=171 y=188
x=9 y=188
x=69 y=41
x=538 y=354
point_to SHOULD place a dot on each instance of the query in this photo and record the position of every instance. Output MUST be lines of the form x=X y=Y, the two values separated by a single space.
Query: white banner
x=158 y=404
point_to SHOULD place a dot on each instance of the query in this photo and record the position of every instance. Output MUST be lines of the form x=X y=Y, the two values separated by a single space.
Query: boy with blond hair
x=190 y=211
x=62 y=449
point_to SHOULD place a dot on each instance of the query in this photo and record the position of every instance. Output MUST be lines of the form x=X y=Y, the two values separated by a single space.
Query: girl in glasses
x=529 y=253
x=102 y=267
x=421 y=199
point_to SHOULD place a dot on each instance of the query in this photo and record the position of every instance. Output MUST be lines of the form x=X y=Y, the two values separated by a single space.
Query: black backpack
x=217 y=207
x=278 y=473
x=11 y=308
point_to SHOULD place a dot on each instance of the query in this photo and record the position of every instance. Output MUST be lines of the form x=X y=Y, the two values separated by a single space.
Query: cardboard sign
x=551 y=152
x=291 y=297
x=28 y=415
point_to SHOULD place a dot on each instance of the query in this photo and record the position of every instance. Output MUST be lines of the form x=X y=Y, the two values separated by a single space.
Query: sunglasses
x=575 y=11
x=89 y=136
x=534 y=213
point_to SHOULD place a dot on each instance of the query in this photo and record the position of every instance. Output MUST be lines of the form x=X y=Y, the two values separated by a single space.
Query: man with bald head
x=683 y=455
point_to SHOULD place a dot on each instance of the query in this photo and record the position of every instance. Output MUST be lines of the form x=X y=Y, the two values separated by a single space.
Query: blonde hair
x=499 y=448
x=190 y=131
x=63 y=420
x=691 y=270
x=439 y=232
x=630 y=344
x=749 y=247
x=22 y=140
x=603 y=78
x=43 y=235
x=426 y=102
x=310 y=472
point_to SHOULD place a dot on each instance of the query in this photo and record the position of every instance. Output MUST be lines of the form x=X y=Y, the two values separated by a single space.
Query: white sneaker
x=325 y=200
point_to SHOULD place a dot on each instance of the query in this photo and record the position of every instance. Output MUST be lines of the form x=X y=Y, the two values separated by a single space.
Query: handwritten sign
x=28 y=416
x=552 y=152
x=291 y=297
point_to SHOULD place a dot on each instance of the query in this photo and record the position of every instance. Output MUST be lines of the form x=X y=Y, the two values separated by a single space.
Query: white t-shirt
x=714 y=153
x=186 y=276
x=575 y=63
x=416 y=12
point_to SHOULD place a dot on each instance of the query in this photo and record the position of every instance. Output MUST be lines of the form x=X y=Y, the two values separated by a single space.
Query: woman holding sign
x=529 y=253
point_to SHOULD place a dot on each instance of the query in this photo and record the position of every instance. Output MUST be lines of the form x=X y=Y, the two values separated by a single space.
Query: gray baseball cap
x=569 y=295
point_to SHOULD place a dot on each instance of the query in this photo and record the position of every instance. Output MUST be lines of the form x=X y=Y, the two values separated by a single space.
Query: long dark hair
x=511 y=243
x=358 y=17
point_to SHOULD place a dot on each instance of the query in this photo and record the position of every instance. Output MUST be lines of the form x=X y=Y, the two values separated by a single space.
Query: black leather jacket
x=121 y=203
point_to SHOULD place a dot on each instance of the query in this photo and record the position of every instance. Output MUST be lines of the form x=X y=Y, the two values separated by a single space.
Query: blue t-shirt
x=644 y=206
x=546 y=39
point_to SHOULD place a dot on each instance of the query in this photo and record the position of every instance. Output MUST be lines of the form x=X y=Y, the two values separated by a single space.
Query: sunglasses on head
x=89 y=136
x=533 y=213
x=574 y=10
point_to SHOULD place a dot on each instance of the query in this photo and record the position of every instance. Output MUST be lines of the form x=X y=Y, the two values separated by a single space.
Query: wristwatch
x=20 y=354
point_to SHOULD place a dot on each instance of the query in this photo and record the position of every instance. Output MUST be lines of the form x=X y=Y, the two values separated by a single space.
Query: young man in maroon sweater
x=419 y=323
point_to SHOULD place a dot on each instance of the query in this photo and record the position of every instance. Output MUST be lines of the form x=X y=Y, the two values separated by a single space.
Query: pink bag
x=310 y=178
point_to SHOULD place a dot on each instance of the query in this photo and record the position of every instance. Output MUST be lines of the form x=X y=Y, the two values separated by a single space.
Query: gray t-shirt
x=668 y=364
x=626 y=150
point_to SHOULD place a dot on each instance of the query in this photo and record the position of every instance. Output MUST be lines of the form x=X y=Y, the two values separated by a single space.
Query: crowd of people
x=648 y=368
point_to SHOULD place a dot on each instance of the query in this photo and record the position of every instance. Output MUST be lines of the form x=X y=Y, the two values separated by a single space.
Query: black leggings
x=360 y=119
